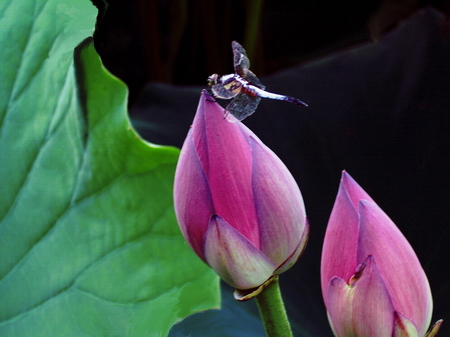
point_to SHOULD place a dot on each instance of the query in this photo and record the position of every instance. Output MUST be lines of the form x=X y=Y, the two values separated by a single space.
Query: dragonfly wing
x=242 y=65
x=252 y=79
x=240 y=59
x=243 y=106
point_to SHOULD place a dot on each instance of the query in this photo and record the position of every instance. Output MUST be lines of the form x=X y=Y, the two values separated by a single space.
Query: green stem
x=272 y=311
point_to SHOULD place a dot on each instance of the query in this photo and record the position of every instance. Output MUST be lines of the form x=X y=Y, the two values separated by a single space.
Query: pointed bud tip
x=207 y=96
x=346 y=177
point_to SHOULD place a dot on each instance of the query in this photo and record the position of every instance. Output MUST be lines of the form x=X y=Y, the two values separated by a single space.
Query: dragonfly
x=243 y=87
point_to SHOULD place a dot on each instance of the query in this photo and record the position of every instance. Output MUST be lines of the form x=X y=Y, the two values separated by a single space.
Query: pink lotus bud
x=372 y=282
x=237 y=204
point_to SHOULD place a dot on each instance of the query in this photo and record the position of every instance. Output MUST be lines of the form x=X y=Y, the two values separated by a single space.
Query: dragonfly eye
x=213 y=79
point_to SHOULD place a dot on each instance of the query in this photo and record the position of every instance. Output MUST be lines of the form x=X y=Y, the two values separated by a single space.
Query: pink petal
x=237 y=261
x=279 y=205
x=224 y=151
x=403 y=327
x=397 y=263
x=354 y=191
x=362 y=308
x=289 y=262
x=341 y=237
x=193 y=210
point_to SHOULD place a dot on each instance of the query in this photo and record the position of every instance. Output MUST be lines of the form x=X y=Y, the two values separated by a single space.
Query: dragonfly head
x=213 y=79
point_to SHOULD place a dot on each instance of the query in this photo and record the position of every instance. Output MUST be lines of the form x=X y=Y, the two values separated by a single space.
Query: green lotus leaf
x=89 y=244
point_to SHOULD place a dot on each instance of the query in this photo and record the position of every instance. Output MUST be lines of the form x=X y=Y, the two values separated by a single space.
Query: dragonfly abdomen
x=271 y=95
x=251 y=90
x=294 y=100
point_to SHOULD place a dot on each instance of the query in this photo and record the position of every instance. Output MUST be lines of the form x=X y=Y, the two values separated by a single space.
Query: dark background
x=183 y=42
x=376 y=76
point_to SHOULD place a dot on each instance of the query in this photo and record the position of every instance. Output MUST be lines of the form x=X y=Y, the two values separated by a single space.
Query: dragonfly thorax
x=227 y=86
